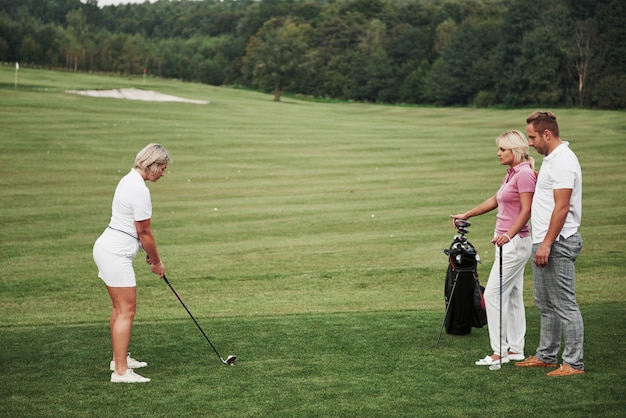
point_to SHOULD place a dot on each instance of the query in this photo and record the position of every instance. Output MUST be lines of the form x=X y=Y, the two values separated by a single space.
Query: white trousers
x=515 y=254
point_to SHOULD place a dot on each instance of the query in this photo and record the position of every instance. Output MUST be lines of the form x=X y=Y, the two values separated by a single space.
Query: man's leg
x=566 y=251
x=550 y=331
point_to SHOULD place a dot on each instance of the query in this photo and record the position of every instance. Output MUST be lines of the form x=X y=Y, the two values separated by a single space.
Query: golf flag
x=17 y=67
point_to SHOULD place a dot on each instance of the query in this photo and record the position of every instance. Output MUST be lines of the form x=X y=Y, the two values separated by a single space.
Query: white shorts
x=114 y=252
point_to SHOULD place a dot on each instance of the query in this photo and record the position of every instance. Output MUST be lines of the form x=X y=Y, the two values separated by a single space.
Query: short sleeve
x=526 y=181
x=142 y=207
x=566 y=177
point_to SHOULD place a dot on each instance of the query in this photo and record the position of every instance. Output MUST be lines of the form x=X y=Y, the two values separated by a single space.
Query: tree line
x=440 y=52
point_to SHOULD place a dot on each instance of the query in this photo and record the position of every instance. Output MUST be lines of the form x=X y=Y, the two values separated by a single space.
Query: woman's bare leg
x=121 y=323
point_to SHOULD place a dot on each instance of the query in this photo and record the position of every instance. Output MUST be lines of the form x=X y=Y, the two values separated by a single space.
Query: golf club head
x=461 y=223
x=230 y=360
x=495 y=367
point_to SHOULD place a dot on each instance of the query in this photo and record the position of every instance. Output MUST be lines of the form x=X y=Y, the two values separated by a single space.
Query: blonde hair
x=151 y=157
x=518 y=144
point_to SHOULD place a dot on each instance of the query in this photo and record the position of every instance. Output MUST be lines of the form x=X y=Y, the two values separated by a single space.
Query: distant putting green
x=307 y=239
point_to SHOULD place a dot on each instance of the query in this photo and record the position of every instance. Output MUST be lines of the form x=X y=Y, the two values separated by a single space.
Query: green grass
x=305 y=237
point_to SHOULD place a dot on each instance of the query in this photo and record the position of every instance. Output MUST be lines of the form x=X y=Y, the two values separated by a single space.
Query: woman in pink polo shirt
x=512 y=234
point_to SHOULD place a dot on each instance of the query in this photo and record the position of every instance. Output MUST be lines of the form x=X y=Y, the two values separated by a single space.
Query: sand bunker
x=135 y=94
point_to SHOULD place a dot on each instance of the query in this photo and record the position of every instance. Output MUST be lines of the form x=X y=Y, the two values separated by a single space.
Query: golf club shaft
x=194 y=319
x=501 y=306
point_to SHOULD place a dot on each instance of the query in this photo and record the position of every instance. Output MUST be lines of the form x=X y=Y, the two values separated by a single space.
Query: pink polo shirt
x=519 y=179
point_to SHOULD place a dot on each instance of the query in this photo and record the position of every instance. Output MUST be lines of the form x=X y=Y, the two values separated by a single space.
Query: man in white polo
x=555 y=218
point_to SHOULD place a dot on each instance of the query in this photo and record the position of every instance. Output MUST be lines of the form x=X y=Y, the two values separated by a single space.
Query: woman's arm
x=525 y=200
x=487 y=206
x=144 y=232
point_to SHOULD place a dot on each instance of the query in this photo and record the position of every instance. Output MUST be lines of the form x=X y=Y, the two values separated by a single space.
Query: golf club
x=499 y=366
x=230 y=360
x=462 y=225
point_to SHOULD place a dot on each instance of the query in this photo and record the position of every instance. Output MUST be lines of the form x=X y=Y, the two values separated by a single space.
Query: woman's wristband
x=507 y=235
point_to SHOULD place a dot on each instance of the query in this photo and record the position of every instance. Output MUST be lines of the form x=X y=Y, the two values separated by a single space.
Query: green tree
x=30 y=50
x=217 y=57
x=611 y=92
x=543 y=56
x=334 y=40
x=587 y=58
x=510 y=83
x=443 y=34
x=369 y=69
x=531 y=60
x=77 y=38
x=50 y=37
x=611 y=23
x=4 y=47
x=410 y=50
x=463 y=69
x=276 y=54
x=562 y=52
x=123 y=54
x=364 y=10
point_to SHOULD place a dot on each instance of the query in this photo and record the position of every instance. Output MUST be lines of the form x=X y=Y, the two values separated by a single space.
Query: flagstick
x=17 y=67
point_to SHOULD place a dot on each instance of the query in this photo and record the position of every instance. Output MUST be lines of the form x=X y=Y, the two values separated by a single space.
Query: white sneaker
x=488 y=361
x=516 y=356
x=129 y=377
x=132 y=363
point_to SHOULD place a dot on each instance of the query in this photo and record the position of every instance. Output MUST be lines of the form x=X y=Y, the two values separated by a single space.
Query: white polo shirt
x=131 y=202
x=559 y=170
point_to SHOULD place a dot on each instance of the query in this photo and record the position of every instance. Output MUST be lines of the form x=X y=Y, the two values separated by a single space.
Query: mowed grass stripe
x=264 y=221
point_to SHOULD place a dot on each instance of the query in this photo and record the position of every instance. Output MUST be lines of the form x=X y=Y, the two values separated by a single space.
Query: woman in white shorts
x=115 y=250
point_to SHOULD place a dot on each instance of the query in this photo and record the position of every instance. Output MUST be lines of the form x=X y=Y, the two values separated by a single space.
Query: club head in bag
x=461 y=223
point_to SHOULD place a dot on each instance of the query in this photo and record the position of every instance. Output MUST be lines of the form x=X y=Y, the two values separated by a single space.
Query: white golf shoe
x=516 y=356
x=129 y=377
x=489 y=361
x=130 y=362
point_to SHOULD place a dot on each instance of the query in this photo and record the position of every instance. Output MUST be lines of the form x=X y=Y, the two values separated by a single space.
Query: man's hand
x=542 y=255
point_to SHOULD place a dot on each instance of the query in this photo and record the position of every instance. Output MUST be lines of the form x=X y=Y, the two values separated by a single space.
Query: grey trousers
x=556 y=300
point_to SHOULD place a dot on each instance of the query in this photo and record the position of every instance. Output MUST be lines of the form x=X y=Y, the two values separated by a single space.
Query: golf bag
x=463 y=294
